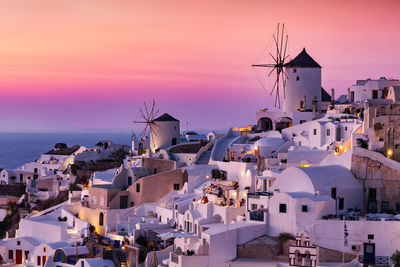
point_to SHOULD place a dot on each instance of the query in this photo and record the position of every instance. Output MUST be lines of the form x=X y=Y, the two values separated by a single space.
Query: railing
x=379 y=260
x=174 y=258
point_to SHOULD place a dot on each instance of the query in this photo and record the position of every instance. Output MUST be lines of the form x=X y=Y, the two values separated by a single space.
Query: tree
x=395 y=258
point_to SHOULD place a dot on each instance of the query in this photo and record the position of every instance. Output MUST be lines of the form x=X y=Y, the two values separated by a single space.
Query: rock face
x=264 y=247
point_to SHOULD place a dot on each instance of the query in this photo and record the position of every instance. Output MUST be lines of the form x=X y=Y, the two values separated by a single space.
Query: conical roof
x=165 y=117
x=303 y=60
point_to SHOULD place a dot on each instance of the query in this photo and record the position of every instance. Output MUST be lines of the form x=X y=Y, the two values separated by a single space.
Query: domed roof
x=270 y=142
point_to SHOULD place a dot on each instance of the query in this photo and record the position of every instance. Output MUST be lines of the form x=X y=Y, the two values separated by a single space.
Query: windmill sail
x=277 y=67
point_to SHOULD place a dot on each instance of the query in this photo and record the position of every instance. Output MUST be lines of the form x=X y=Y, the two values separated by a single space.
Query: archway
x=264 y=124
x=101 y=219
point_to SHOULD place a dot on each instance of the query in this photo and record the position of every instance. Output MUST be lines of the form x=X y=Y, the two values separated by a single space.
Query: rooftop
x=63 y=150
x=165 y=117
x=303 y=60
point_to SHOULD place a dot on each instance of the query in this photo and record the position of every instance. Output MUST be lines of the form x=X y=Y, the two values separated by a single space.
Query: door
x=44 y=258
x=26 y=255
x=18 y=256
x=123 y=202
x=369 y=253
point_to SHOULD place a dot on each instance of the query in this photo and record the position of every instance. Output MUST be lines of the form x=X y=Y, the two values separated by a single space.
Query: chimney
x=348 y=94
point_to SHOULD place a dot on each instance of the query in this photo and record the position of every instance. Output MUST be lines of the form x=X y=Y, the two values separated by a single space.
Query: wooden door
x=18 y=256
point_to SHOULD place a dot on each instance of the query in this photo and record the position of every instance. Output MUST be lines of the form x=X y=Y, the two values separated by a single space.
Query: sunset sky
x=81 y=64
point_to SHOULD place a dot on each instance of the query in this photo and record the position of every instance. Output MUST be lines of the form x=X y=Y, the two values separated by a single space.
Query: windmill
x=148 y=119
x=279 y=60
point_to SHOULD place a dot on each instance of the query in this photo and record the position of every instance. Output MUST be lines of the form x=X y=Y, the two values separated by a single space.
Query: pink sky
x=91 y=64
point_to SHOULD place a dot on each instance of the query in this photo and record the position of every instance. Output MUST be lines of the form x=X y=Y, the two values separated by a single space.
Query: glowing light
x=304 y=165
x=341 y=147
x=389 y=153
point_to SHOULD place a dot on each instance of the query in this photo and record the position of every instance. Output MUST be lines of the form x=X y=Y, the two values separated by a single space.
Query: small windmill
x=280 y=43
x=148 y=118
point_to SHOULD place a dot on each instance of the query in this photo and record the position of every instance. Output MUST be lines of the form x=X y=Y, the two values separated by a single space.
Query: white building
x=371 y=89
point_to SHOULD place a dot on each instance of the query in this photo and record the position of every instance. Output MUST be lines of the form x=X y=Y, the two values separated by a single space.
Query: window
x=341 y=203
x=328 y=132
x=302 y=121
x=101 y=219
x=297 y=78
x=155 y=170
x=195 y=228
x=82 y=263
x=10 y=254
x=315 y=131
x=294 y=70
x=333 y=192
x=398 y=206
x=129 y=180
x=138 y=188
x=372 y=194
x=261 y=206
x=345 y=128
x=371 y=237
x=132 y=204
x=352 y=96
x=44 y=249
x=253 y=206
x=94 y=200
x=18 y=243
x=39 y=260
x=35 y=170
x=282 y=208
x=101 y=201
x=176 y=186
x=304 y=208
x=385 y=206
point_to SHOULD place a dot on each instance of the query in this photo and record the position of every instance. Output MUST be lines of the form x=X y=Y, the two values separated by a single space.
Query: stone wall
x=15 y=190
x=376 y=171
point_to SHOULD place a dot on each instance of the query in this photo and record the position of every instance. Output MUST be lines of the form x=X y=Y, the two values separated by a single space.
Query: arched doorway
x=101 y=219
x=264 y=124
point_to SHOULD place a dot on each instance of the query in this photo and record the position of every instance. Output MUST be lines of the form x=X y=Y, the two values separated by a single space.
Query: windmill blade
x=142 y=115
x=273 y=88
x=271 y=71
x=144 y=131
x=152 y=109
x=139 y=121
x=284 y=53
x=263 y=65
x=152 y=130
x=147 y=112
x=275 y=59
x=280 y=51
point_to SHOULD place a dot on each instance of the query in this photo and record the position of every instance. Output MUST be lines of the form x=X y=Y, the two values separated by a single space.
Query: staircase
x=117 y=256
x=219 y=150
x=205 y=157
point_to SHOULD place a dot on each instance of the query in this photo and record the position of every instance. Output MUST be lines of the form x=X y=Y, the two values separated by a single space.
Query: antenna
x=280 y=42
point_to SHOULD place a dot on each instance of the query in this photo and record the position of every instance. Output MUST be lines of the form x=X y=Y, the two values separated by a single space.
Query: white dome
x=270 y=142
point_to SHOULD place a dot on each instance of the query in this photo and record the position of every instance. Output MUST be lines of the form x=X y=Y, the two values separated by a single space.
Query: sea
x=16 y=149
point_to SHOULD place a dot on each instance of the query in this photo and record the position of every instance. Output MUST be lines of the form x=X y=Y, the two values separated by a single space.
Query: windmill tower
x=303 y=87
x=163 y=131
x=299 y=79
